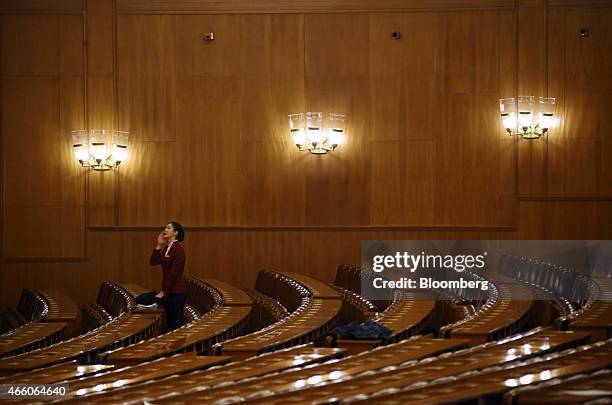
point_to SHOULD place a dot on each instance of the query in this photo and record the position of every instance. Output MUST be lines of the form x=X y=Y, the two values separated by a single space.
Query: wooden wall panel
x=273 y=77
x=100 y=80
x=337 y=80
x=42 y=6
x=297 y=6
x=42 y=102
x=472 y=140
x=565 y=220
x=147 y=107
x=579 y=161
x=209 y=116
x=30 y=45
x=532 y=80
x=146 y=64
x=425 y=157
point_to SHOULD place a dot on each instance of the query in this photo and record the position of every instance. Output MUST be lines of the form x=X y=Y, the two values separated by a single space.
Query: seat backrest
x=32 y=306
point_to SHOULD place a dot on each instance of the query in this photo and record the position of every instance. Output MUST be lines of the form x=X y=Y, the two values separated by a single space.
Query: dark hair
x=178 y=228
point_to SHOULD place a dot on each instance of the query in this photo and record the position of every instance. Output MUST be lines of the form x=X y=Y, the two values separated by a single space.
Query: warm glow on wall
x=100 y=149
x=308 y=134
x=525 y=117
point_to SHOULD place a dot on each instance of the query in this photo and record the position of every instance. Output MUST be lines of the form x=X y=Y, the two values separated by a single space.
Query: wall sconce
x=100 y=149
x=308 y=134
x=523 y=121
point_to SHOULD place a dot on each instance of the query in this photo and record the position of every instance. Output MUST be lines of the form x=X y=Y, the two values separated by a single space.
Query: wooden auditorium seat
x=226 y=317
x=349 y=278
x=52 y=317
x=596 y=315
x=10 y=319
x=61 y=309
x=291 y=294
x=230 y=295
x=355 y=307
x=32 y=305
x=190 y=314
x=159 y=368
x=31 y=336
x=394 y=354
x=92 y=317
x=505 y=314
x=265 y=311
x=202 y=296
x=325 y=387
x=545 y=282
x=122 y=331
x=488 y=385
x=269 y=363
x=409 y=314
x=114 y=299
x=66 y=371
x=580 y=388
x=585 y=302
x=314 y=308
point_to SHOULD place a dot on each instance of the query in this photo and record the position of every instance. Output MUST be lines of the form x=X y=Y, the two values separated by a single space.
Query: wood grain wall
x=425 y=157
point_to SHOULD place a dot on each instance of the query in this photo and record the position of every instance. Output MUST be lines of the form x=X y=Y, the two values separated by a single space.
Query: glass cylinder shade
x=314 y=130
x=297 y=125
x=120 y=145
x=80 y=146
x=507 y=110
x=98 y=144
x=336 y=129
x=546 y=112
x=525 y=111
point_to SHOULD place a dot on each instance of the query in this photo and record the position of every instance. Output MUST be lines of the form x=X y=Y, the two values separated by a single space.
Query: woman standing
x=170 y=254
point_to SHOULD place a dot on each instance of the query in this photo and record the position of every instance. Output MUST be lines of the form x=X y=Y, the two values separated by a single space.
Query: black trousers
x=174 y=305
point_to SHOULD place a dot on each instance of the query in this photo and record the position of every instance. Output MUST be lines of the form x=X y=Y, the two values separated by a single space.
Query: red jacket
x=173 y=265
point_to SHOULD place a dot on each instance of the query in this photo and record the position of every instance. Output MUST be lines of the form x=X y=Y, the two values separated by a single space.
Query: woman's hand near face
x=161 y=241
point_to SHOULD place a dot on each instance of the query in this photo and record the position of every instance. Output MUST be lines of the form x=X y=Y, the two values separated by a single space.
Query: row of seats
x=288 y=292
x=486 y=385
x=190 y=314
x=50 y=318
x=354 y=306
x=61 y=308
x=226 y=318
x=265 y=312
x=509 y=311
x=314 y=309
x=395 y=372
x=595 y=316
x=10 y=319
x=68 y=370
x=122 y=331
x=291 y=358
x=390 y=364
x=114 y=299
x=32 y=305
x=350 y=277
x=559 y=281
x=93 y=316
x=31 y=336
x=201 y=296
x=586 y=301
x=579 y=388
x=406 y=313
